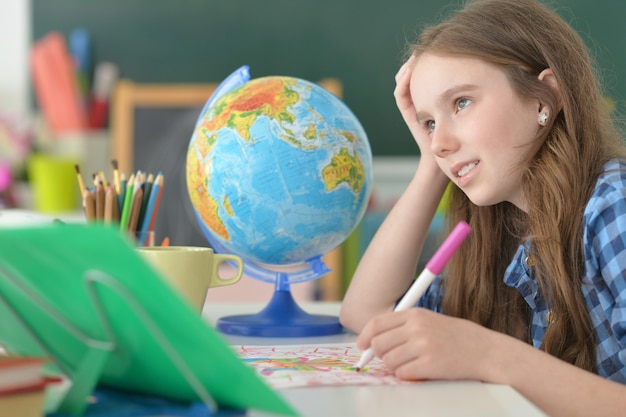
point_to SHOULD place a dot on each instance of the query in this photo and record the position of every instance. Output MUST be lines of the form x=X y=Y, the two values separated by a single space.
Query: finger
x=402 y=94
x=415 y=369
x=391 y=345
x=376 y=326
x=414 y=361
x=401 y=74
x=405 y=68
x=401 y=343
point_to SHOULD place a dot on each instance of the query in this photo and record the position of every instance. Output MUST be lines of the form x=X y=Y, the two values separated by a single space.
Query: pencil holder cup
x=53 y=183
x=191 y=270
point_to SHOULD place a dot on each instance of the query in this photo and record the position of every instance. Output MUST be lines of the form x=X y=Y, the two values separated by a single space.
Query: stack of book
x=22 y=386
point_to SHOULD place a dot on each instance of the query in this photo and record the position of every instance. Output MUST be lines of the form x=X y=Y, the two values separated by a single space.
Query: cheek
x=484 y=139
x=523 y=125
x=500 y=134
x=444 y=168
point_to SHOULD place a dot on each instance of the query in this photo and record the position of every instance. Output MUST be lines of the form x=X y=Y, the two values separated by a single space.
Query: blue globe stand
x=282 y=317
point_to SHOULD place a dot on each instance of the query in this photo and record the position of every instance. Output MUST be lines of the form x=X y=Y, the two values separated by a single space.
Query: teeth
x=467 y=168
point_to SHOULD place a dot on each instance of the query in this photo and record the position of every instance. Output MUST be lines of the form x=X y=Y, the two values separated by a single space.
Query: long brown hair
x=524 y=37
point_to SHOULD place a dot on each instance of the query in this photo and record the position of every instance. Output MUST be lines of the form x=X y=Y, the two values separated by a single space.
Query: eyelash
x=429 y=125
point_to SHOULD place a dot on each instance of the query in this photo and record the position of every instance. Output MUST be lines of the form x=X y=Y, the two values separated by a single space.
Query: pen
x=423 y=281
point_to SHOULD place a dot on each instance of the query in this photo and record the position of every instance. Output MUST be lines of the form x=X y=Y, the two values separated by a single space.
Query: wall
x=359 y=42
x=203 y=41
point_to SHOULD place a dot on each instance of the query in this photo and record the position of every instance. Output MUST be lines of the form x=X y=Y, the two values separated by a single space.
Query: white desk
x=431 y=398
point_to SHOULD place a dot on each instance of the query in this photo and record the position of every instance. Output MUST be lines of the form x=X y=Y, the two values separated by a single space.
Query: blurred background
x=359 y=43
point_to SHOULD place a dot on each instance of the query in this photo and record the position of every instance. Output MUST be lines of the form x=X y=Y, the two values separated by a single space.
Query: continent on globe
x=279 y=171
x=344 y=168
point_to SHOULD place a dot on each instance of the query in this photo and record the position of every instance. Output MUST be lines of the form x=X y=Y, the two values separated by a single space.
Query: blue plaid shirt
x=604 y=283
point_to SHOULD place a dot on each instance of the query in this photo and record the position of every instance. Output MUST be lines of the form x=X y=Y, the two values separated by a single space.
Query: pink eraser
x=449 y=246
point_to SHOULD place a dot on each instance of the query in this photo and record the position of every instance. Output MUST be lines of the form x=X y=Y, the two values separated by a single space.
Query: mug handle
x=218 y=259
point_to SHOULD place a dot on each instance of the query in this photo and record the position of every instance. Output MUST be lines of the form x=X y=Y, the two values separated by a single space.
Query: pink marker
x=421 y=284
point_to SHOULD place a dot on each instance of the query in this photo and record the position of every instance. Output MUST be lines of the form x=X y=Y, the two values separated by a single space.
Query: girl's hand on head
x=420 y=344
x=404 y=102
x=402 y=94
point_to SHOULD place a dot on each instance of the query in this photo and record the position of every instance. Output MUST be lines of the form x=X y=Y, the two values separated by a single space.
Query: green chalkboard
x=359 y=42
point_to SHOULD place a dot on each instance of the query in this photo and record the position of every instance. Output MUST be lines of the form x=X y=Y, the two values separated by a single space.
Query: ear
x=547 y=76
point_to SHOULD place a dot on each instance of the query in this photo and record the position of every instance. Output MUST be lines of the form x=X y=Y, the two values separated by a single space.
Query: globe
x=279 y=171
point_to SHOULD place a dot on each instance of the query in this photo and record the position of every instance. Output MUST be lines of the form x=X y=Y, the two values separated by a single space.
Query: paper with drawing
x=290 y=366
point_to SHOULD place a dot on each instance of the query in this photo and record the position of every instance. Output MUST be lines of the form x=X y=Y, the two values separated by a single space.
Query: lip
x=454 y=170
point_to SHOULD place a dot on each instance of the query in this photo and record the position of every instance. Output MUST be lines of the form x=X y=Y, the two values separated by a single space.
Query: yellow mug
x=53 y=181
x=192 y=270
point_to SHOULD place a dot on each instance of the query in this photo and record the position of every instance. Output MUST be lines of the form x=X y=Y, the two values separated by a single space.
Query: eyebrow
x=447 y=95
x=454 y=90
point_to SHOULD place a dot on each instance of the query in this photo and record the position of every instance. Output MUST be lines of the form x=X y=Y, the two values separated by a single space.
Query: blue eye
x=430 y=125
x=462 y=103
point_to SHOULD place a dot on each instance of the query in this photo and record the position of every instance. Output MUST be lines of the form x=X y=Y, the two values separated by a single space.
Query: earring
x=542 y=118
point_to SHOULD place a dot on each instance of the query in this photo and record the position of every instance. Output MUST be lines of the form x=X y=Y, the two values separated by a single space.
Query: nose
x=444 y=140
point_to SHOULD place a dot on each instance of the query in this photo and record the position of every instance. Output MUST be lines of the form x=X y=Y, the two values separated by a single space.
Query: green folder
x=82 y=296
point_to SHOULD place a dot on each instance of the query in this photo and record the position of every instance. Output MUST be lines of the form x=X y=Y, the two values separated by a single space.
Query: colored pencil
x=116 y=176
x=126 y=206
x=108 y=205
x=103 y=179
x=100 y=197
x=81 y=184
x=152 y=203
x=90 y=205
x=111 y=207
x=122 y=193
x=135 y=208
x=157 y=202
x=146 y=196
x=115 y=214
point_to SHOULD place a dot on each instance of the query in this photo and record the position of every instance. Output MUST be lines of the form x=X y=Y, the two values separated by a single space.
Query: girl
x=504 y=106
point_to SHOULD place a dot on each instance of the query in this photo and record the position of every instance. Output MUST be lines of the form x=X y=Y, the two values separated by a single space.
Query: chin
x=481 y=200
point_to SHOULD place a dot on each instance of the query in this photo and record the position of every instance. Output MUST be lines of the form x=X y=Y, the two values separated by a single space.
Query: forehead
x=433 y=74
